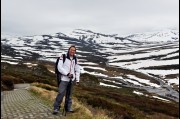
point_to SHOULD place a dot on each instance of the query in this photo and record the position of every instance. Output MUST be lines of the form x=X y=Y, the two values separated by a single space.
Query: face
x=72 y=51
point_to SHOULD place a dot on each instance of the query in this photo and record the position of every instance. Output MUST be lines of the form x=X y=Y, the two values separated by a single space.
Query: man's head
x=72 y=50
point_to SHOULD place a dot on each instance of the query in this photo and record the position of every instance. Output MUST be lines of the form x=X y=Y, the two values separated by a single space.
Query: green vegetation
x=115 y=102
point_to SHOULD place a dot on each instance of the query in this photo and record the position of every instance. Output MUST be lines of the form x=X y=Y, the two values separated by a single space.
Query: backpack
x=58 y=74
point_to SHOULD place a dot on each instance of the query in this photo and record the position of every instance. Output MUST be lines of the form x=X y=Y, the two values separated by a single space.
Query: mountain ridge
x=106 y=51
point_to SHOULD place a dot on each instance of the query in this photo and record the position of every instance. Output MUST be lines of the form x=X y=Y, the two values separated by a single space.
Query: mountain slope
x=135 y=61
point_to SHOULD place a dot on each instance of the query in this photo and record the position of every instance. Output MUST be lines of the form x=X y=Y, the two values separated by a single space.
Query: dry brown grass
x=81 y=111
x=45 y=86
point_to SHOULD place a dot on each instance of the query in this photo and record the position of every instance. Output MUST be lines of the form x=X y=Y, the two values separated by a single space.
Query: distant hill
x=148 y=61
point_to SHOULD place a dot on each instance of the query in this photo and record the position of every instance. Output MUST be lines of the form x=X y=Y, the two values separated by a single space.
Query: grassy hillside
x=113 y=103
x=82 y=111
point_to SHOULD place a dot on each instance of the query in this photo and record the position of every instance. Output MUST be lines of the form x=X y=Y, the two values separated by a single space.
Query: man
x=70 y=71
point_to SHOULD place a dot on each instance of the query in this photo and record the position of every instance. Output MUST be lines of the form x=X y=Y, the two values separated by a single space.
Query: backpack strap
x=75 y=59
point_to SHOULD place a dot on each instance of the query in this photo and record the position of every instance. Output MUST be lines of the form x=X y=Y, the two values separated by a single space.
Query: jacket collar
x=68 y=57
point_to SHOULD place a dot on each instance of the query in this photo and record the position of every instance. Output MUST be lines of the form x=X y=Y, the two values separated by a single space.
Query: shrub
x=8 y=83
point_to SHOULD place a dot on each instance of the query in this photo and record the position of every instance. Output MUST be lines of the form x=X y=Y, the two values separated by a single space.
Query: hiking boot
x=70 y=110
x=56 y=111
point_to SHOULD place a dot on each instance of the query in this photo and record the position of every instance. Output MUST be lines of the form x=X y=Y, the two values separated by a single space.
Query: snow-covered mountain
x=147 y=61
x=158 y=36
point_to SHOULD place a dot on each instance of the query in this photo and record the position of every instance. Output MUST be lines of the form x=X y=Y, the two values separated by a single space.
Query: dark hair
x=71 y=47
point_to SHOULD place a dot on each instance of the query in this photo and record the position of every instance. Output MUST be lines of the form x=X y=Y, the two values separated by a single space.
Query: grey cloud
x=29 y=17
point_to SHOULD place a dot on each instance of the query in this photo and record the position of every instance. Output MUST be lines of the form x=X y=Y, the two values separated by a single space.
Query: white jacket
x=69 y=66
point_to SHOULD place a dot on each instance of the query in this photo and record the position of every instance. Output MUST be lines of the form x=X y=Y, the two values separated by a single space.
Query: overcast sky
x=37 y=17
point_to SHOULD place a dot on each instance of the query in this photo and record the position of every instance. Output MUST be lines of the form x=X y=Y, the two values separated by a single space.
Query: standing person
x=70 y=71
